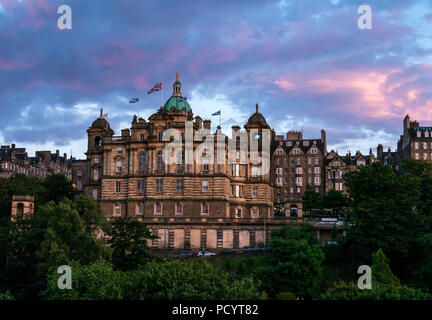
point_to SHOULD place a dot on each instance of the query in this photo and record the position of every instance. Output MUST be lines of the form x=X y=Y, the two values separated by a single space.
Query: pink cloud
x=141 y=82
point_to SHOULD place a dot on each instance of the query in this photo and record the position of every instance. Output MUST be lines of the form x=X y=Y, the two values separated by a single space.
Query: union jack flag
x=157 y=87
x=182 y=99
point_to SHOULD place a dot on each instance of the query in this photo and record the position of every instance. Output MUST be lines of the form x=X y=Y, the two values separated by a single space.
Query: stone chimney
x=324 y=141
x=207 y=124
x=125 y=132
x=198 y=121
x=380 y=151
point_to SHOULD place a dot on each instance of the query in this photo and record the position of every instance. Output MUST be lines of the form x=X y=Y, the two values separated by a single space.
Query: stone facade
x=16 y=160
x=415 y=142
x=296 y=163
x=22 y=205
x=195 y=205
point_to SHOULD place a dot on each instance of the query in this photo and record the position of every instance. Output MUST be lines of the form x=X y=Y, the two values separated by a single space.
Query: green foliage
x=128 y=239
x=294 y=262
x=57 y=233
x=6 y=296
x=350 y=291
x=335 y=200
x=97 y=281
x=65 y=237
x=382 y=214
x=311 y=199
x=285 y=296
x=381 y=272
x=166 y=280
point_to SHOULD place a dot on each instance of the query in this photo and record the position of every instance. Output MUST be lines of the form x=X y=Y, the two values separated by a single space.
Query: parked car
x=227 y=251
x=183 y=255
x=329 y=243
x=253 y=249
x=205 y=253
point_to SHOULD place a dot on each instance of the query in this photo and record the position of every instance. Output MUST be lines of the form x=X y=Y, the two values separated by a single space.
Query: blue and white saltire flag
x=216 y=113
x=134 y=100
x=182 y=99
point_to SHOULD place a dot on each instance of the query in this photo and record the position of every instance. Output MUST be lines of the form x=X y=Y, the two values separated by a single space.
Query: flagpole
x=162 y=94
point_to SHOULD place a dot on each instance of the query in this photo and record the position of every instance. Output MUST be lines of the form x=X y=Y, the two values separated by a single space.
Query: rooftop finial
x=101 y=111
x=177 y=75
x=256 y=106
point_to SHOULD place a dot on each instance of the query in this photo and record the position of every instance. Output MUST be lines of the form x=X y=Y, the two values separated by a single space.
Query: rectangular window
x=179 y=208
x=416 y=145
x=255 y=172
x=205 y=166
x=118 y=186
x=158 y=208
x=79 y=184
x=95 y=174
x=424 y=145
x=95 y=194
x=238 y=213
x=298 y=190
x=205 y=186
x=119 y=166
x=316 y=161
x=317 y=170
x=417 y=156
x=117 y=211
x=204 y=208
x=254 y=213
x=159 y=185
x=140 y=208
x=296 y=151
x=291 y=190
x=142 y=137
x=160 y=136
x=314 y=151
x=299 y=170
x=255 y=192
x=235 y=170
x=180 y=185
x=140 y=186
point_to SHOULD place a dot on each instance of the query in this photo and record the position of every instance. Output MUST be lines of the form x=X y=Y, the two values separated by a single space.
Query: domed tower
x=257 y=121
x=96 y=134
x=177 y=103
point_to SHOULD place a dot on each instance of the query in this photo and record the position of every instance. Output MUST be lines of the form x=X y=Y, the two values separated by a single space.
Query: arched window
x=142 y=162
x=98 y=141
x=160 y=164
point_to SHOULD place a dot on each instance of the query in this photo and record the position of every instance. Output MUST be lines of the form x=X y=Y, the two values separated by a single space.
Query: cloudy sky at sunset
x=306 y=63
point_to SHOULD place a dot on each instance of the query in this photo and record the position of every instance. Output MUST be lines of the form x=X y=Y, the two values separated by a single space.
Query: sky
x=306 y=63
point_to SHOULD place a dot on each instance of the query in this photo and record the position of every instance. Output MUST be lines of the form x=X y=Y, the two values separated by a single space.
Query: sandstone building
x=296 y=163
x=415 y=142
x=197 y=205
x=16 y=160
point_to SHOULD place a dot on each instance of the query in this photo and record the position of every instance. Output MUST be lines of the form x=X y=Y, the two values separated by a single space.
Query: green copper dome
x=173 y=102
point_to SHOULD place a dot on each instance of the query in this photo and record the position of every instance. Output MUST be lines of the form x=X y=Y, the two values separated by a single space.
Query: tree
x=128 y=239
x=382 y=215
x=55 y=234
x=96 y=281
x=294 y=263
x=163 y=280
x=311 y=199
x=385 y=285
x=336 y=201
x=381 y=272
